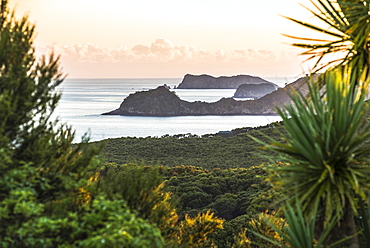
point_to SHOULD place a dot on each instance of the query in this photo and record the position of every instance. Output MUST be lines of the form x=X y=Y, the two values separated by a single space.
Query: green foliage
x=135 y=184
x=47 y=198
x=346 y=23
x=228 y=193
x=142 y=188
x=194 y=231
x=50 y=193
x=112 y=224
x=241 y=241
x=324 y=157
x=211 y=152
x=99 y=224
x=232 y=234
x=261 y=230
x=334 y=160
x=70 y=219
x=236 y=195
x=297 y=230
x=243 y=187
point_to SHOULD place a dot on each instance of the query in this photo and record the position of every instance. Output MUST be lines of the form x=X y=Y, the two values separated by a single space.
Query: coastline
x=194 y=115
x=83 y=101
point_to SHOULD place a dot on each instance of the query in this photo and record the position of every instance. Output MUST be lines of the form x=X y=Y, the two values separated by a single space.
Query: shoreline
x=148 y=115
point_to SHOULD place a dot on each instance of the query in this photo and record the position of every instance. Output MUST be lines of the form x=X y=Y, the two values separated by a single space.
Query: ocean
x=84 y=100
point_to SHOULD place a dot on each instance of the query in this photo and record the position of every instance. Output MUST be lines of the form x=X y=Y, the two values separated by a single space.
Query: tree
x=347 y=24
x=324 y=157
x=325 y=149
x=295 y=231
x=193 y=231
x=143 y=189
x=47 y=198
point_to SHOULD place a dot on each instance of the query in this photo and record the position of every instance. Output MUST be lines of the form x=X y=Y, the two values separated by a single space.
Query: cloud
x=163 y=51
x=140 y=50
x=162 y=58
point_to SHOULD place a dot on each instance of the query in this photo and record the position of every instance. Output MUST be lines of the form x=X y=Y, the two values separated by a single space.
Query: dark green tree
x=46 y=193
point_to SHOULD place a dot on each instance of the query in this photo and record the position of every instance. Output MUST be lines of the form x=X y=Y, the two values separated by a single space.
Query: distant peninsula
x=209 y=82
x=254 y=90
x=162 y=102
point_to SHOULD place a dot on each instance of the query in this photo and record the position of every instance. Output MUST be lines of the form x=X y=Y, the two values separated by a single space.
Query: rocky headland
x=208 y=82
x=162 y=102
x=254 y=90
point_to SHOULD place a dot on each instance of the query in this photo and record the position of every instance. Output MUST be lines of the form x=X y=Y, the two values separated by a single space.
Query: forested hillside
x=187 y=191
x=208 y=152
x=209 y=173
x=236 y=196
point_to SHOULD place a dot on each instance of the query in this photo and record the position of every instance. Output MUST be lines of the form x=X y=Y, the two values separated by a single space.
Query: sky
x=169 y=38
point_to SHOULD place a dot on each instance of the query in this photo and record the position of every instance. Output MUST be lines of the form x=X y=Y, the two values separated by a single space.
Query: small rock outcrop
x=209 y=82
x=254 y=90
x=162 y=102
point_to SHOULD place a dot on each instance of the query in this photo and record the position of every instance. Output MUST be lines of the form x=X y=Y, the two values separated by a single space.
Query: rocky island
x=209 y=82
x=162 y=102
x=254 y=90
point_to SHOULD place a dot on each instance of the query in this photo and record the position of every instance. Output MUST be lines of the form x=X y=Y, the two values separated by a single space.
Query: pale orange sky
x=168 y=38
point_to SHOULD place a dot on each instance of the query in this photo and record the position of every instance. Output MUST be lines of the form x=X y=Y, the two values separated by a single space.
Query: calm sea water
x=84 y=100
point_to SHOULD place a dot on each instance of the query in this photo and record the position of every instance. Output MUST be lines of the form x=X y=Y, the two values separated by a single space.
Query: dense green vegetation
x=234 y=195
x=46 y=193
x=55 y=194
x=223 y=175
x=323 y=170
x=239 y=151
x=51 y=193
x=187 y=191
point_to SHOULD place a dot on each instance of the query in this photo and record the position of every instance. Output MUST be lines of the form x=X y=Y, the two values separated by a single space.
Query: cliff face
x=209 y=82
x=162 y=102
x=254 y=90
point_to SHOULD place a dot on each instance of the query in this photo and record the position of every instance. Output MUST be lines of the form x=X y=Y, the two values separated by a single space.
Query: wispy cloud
x=163 y=50
x=162 y=58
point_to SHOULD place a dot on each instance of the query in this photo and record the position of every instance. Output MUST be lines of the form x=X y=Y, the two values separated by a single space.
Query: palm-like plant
x=324 y=155
x=347 y=22
x=298 y=231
